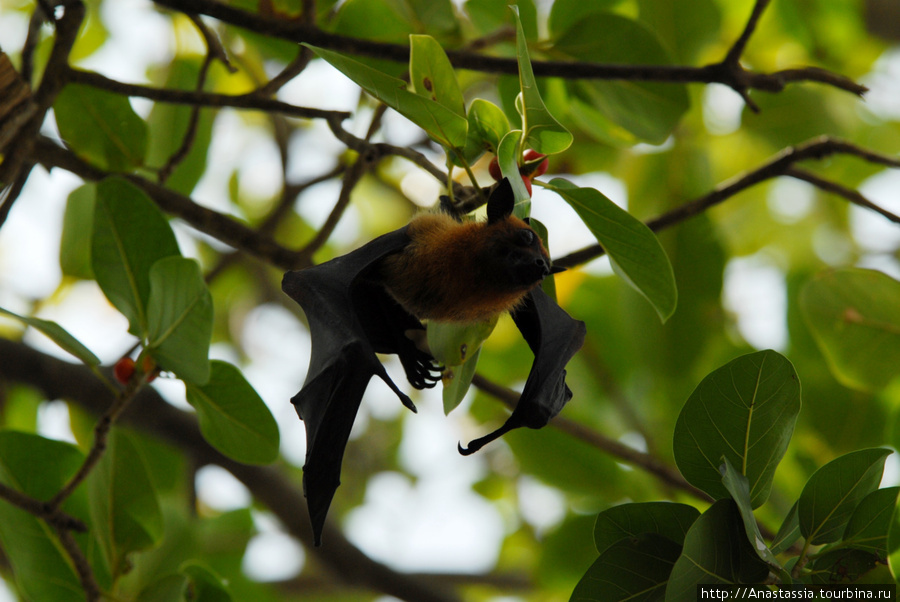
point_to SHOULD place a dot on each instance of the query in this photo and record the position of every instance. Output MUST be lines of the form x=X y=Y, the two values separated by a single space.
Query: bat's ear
x=501 y=202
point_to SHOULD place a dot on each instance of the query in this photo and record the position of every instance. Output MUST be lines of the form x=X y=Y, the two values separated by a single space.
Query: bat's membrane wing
x=350 y=319
x=554 y=337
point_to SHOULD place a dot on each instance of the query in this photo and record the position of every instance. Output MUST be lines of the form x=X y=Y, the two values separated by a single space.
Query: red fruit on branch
x=124 y=370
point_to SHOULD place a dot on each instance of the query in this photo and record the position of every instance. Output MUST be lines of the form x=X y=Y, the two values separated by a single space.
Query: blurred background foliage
x=739 y=266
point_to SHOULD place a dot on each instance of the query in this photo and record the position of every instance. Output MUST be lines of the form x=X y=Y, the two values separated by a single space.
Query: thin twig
x=101 y=436
x=55 y=517
x=779 y=165
x=89 y=584
x=848 y=193
x=206 y=99
x=217 y=225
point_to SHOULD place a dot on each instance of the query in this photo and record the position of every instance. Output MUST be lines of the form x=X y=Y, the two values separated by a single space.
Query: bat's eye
x=525 y=238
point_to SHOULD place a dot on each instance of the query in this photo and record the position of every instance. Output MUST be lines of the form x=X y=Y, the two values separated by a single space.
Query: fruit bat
x=372 y=299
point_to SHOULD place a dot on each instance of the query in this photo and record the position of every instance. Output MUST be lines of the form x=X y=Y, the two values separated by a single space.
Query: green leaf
x=78 y=224
x=180 y=318
x=508 y=160
x=565 y=14
x=853 y=316
x=432 y=75
x=633 y=569
x=165 y=589
x=635 y=252
x=667 y=519
x=42 y=571
x=788 y=533
x=58 y=335
x=868 y=526
x=168 y=123
x=648 y=110
x=716 y=552
x=456 y=381
x=842 y=566
x=233 y=417
x=833 y=492
x=893 y=542
x=123 y=503
x=205 y=585
x=101 y=127
x=445 y=126
x=487 y=123
x=130 y=234
x=456 y=347
x=542 y=132
x=744 y=411
x=739 y=488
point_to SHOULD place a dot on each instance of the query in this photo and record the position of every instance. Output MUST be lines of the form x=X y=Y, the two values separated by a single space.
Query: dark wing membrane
x=350 y=319
x=554 y=337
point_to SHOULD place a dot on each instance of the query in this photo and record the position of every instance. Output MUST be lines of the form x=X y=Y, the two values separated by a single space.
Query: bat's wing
x=350 y=319
x=554 y=337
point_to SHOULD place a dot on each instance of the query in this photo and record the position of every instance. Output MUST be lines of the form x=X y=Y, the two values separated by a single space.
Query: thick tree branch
x=782 y=164
x=729 y=72
x=57 y=379
x=665 y=473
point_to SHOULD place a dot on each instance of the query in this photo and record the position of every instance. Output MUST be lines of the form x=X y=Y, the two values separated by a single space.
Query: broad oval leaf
x=854 y=317
x=58 y=335
x=75 y=244
x=716 y=552
x=445 y=126
x=432 y=75
x=648 y=110
x=123 y=502
x=541 y=130
x=130 y=235
x=737 y=485
x=744 y=411
x=456 y=381
x=833 y=492
x=487 y=127
x=633 y=569
x=101 y=127
x=635 y=251
x=788 y=533
x=180 y=318
x=205 y=585
x=667 y=519
x=168 y=123
x=233 y=417
x=42 y=571
x=870 y=522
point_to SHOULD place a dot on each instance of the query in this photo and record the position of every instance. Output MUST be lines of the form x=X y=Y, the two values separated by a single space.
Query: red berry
x=148 y=366
x=531 y=157
x=494 y=169
x=124 y=370
x=527 y=182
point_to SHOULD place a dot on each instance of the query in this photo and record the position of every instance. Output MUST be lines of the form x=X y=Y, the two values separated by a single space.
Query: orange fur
x=459 y=272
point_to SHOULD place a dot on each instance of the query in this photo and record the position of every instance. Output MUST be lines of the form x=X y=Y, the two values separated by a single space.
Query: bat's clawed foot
x=421 y=371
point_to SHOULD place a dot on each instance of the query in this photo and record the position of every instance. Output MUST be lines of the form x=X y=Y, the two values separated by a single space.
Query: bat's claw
x=421 y=371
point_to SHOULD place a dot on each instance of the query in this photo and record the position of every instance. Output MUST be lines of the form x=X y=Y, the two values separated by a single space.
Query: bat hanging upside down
x=435 y=268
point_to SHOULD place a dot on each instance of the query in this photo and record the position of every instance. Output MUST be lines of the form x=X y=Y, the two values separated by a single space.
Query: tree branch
x=779 y=165
x=205 y=220
x=644 y=461
x=200 y=98
x=729 y=72
x=271 y=486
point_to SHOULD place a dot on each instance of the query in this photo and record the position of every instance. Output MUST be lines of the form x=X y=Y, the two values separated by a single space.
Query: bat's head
x=516 y=249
